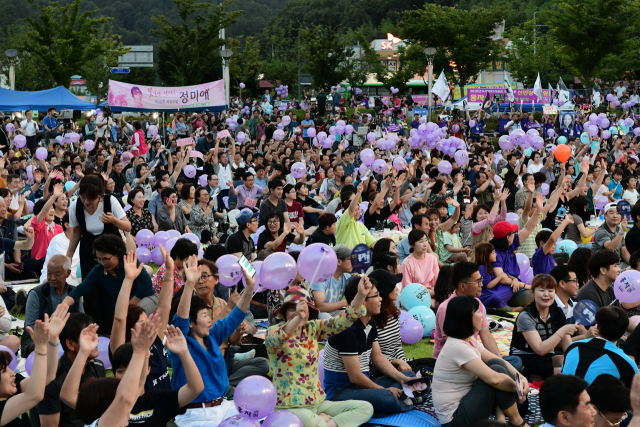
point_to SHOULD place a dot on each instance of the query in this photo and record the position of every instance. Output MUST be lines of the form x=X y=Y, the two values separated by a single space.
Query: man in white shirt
x=513 y=124
x=30 y=130
x=59 y=246
x=537 y=164
x=621 y=90
x=104 y=123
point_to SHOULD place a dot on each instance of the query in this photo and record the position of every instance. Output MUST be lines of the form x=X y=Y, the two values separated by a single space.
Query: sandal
x=524 y=423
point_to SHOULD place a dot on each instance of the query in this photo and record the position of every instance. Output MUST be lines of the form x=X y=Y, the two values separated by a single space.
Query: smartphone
x=246 y=266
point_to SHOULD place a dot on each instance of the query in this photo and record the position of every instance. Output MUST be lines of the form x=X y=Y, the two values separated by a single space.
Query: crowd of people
x=521 y=222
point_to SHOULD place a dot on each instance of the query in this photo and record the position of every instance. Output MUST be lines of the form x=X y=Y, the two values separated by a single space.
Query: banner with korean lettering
x=157 y=98
x=520 y=95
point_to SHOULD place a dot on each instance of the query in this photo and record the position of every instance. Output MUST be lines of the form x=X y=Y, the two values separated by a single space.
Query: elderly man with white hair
x=45 y=298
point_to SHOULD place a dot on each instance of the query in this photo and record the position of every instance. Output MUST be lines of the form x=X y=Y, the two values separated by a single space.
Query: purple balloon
x=193 y=238
x=14 y=361
x=371 y=137
x=348 y=129
x=170 y=243
x=545 y=189
x=160 y=238
x=174 y=233
x=10 y=127
x=144 y=255
x=41 y=153
x=462 y=158
x=445 y=167
x=379 y=166
x=255 y=397
x=399 y=163
x=20 y=141
x=190 y=171
x=103 y=352
x=322 y=136
x=282 y=419
x=145 y=238
x=311 y=132
x=627 y=286
x=512 y=218
x=317 y=263
x=242 y=85
x=278 y=271
x=523 y=262
x=229 y=270
x=606 y=134
x=592 y=130
x=202 y=180
x=30 y=206
x=367 y=156
x=239 y=421
x=505 y=143
x=551 y=133
x=527 y=277
x=89 y=145
x=411 y=331
x=156 y=256
x=298 y=170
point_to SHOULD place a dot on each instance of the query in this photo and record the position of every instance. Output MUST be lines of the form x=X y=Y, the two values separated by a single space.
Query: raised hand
x=166 y=256
x=302 y=310
x=89 y=339
x=131 y=268
x=191 y=270
x=40 y=332
x=505 y=195
x=176 y=342
x=364 y=286
x=57 y=321
x=28 y=231
x=141 y=341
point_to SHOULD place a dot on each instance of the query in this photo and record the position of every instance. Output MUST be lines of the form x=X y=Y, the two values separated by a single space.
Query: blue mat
x=408 y=419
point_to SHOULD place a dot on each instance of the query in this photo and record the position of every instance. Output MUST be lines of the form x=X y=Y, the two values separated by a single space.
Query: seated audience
x=539 y=329
x=169 y=215
x=278 y=235
x=592 y=357
x=604 y=270
x=470 y=382
x=611 y=399
x=180 y=253
x=565 y=402
x=543 y=261
x=420 y=266
x=58 y=246
x=328 y=296
x=308 y=400
x=326 y=230
x=349 y=354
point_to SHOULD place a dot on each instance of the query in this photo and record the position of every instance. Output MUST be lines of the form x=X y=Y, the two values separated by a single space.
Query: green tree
x=245 y=65
x=324 y=51
x=97 y=72
x=280 y=58
x=64 y=38
x=585 y=31
x=621 y=65
x=464 y=39
x=189 y=51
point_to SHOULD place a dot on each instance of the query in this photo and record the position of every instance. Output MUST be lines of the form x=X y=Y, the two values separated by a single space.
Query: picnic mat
x=425 y=415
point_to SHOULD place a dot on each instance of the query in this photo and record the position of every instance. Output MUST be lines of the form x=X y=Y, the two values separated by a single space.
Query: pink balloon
x=229 y=270
x=282 y=419
x=317 y=263
x=278 y=271
x=255 y=397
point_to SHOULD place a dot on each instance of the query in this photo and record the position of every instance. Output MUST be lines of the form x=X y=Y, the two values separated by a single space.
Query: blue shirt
x=618 y=187
x=210 y=361
x=506 y=260
x=262 y=183
x=478 y=128
x=333 y=288
x=304 y=130
x=403 y=249
x=541 y=263
x=595 y=356
x=51 y=123
x=154 y=204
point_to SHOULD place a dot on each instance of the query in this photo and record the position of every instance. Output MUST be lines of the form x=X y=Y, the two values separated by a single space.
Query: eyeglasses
x=477 y=282
x=273 y=222
x=104 y=260
x=570 y=280
x=373 y=296
x=252 y=220
x=618 y=421
x=205 y=277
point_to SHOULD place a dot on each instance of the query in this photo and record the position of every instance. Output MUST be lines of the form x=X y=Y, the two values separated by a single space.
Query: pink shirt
x=424 y=272
x=42 y=237
x=439 y=336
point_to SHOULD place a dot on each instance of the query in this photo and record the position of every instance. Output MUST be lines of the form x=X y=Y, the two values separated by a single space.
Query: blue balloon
x=613 y=130
x=584 y=138
x=426 y=317
x=69 y=185
x=414 y=295
x=566 y=247
x=562 y=140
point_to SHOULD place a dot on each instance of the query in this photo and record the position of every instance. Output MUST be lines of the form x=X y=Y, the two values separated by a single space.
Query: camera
x=67 y=117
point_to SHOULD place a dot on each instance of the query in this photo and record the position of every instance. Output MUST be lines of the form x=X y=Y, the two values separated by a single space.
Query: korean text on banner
x=184 y=141
x=166 y=98
x=525 y=95
x=549 y=109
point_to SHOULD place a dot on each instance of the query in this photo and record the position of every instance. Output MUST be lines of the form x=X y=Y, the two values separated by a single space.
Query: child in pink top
x=420 y=266
x=44 y=228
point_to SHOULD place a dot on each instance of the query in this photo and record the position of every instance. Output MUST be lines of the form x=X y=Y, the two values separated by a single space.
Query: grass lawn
x=418 y=351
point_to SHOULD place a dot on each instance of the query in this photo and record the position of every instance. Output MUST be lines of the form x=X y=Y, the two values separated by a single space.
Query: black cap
x=386 y=282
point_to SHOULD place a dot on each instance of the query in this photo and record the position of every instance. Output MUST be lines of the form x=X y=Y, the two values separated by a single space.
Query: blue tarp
x=59 y=97
x=118 y=109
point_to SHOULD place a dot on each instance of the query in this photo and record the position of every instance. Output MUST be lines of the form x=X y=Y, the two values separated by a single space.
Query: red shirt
x=295 y=211
x=42 y=237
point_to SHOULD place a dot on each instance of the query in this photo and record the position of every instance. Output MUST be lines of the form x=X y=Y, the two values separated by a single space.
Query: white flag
x=537 y=89
x=441 y=87
x=507 y=87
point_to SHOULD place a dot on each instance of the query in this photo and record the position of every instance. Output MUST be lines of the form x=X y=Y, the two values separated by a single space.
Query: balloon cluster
x=246 y=110
x=149 y=244
x=416 y=298
x=282 y=90
x=394 y=90
x=530 y=139
x=613 y=99
x=358 y=91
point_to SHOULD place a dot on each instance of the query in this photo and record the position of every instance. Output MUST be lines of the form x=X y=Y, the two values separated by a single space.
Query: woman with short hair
x=469 y=382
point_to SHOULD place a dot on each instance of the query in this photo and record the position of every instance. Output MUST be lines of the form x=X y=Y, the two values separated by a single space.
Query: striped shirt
x=389 y=340
x=358 y=341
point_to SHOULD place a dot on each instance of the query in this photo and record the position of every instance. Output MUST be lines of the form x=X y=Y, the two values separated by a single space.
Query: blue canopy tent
x=59 y=97
x=118 y=109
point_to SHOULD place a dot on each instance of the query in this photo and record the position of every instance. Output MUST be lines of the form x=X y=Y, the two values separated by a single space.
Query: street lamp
x=430 y=52
x=226 y=58
x=11 y=53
